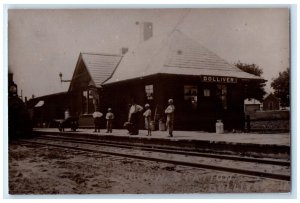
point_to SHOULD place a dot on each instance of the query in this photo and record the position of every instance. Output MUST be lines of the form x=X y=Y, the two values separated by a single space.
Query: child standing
x=147 y=115
x=109 y=118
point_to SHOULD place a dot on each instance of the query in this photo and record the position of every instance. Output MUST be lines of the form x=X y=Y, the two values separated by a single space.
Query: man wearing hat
x=97 y=115
x=170 y=117
x=109 y=118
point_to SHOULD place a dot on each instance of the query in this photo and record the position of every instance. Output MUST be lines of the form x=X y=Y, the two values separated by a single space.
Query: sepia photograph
x=149 y=101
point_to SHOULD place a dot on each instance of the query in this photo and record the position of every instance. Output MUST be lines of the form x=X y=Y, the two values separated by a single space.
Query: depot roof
x=175 y=54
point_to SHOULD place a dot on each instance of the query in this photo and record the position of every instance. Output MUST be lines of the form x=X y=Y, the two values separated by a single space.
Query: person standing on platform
x=62 y=124
x=170 y=117
x=67 y=114
x=147 y=115
x=133 y=117
x=109 y=119
x=97 y=116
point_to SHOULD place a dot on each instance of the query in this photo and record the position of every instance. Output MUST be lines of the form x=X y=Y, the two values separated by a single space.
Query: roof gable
x=100 y=66
x=96 y=67
x=271 y=97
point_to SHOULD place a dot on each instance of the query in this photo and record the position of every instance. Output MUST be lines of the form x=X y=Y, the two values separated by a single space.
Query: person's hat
x=147 y=105
x=109 y=109
x=170 y=101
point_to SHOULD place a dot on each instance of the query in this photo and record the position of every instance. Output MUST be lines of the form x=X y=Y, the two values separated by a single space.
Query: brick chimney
x=146 y=30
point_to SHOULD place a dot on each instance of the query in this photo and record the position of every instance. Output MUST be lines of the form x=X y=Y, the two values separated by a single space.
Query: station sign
x=218 y=79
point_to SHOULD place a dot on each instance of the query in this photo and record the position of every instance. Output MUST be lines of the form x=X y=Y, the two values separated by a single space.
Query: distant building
x=271 y=103
x=252 y=105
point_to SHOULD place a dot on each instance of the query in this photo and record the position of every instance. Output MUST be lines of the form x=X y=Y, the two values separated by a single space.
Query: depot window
x=149 y=92
x=191 y=95
x=222 y=95
x=90 y=100
x=206 y=92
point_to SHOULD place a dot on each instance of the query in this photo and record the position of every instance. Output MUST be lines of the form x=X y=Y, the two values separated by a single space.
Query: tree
x=254 y=88
x=281 y=86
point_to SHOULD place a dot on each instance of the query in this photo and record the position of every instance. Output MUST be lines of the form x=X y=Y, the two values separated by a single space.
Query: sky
x=43 y=43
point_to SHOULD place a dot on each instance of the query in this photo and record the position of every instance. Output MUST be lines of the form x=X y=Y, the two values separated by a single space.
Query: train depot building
x=205 y=88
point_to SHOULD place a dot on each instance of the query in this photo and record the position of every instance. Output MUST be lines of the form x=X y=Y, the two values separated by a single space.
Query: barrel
x=162 y=126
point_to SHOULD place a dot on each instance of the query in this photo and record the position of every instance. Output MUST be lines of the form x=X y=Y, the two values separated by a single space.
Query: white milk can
x=219 y=127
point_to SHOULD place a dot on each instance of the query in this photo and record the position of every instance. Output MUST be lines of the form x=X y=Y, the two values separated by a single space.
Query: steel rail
x=165 y=150
x=176 y=162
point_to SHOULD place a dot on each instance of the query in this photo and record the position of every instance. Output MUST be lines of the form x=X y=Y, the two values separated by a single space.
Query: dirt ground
x=44 y=170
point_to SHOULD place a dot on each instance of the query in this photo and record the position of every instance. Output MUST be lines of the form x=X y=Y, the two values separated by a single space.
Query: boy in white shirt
x=109 y=118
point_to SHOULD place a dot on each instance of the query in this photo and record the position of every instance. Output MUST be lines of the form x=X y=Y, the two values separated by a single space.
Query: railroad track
x=165 y=149
x=267 y=168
